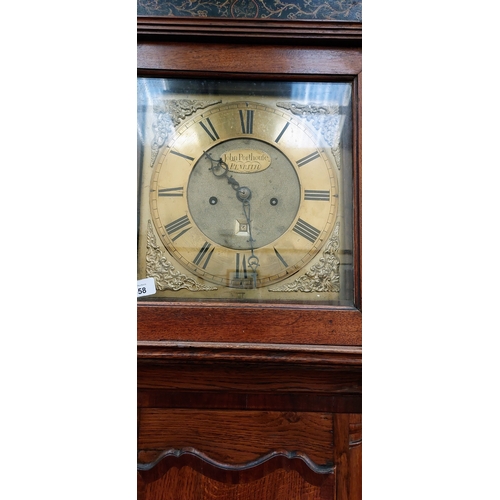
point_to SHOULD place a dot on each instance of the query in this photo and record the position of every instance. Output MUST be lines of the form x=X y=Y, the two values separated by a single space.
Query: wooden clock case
x=254 y=401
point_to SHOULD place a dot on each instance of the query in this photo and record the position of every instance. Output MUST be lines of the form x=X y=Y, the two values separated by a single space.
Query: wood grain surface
x=246 y=59
x=235 y=437
x=280 y=484
x=246 y=323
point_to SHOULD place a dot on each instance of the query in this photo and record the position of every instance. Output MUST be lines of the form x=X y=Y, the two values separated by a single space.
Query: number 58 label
x=146 y=287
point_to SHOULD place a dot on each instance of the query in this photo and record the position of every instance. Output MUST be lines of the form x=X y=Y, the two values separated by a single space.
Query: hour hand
x=218 y=167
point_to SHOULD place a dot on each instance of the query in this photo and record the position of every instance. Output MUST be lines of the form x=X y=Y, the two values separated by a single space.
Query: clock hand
x=253 y=260
x=220 y=169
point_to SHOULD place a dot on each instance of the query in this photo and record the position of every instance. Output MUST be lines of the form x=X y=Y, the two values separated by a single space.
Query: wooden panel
x=247 y=378
x=213 y=353
x=249 y=59
x=280 y=484
x=343 y=403
x=355 y=458
x=235 y=437
x=347 y=455
x=198 y=322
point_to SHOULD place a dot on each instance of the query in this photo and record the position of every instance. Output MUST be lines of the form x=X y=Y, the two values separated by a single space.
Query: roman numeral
x=247 y=125
x=243 y=277
x=189 y=158
x=307 y=159
x=306 y=230
x=282 y=260
x=203 y=255
x=281 y=133
x=177 y=225
x=210 y=130
x=315 y=195
x=177 y=191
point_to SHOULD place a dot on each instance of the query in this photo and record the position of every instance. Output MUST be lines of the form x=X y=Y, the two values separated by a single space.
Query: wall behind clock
x=336 y=10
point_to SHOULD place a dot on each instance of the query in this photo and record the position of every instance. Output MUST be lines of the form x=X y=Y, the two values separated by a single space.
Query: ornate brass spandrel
x=165 y=275
x=323 y=276
x=169 y=114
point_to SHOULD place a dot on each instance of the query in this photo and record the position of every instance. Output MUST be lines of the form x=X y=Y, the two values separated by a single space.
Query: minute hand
x=253 y=260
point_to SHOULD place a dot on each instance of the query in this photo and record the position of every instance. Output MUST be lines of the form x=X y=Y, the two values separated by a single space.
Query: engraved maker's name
x=246 y=161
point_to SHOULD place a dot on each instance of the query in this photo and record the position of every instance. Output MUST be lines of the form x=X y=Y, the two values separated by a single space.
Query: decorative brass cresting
x=324 y=118
x=169 y=114
x=165 y=275
x=323 y=276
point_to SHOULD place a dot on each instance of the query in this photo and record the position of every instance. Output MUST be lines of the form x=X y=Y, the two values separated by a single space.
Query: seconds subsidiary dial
x=242 y=196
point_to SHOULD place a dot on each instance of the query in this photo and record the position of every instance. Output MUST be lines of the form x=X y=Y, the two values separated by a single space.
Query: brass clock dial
x=203 y=217
x=243 y=195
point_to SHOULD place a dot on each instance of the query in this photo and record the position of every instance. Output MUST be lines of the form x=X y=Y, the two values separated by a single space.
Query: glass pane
x=245 y=190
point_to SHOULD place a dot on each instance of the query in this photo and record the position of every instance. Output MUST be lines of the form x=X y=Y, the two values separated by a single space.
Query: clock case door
x=256 y=50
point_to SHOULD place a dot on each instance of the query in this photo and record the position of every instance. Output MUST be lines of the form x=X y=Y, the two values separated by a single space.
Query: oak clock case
x=245 y=190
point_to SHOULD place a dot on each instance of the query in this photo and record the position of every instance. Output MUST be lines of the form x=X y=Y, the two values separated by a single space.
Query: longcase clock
x=249 y=216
